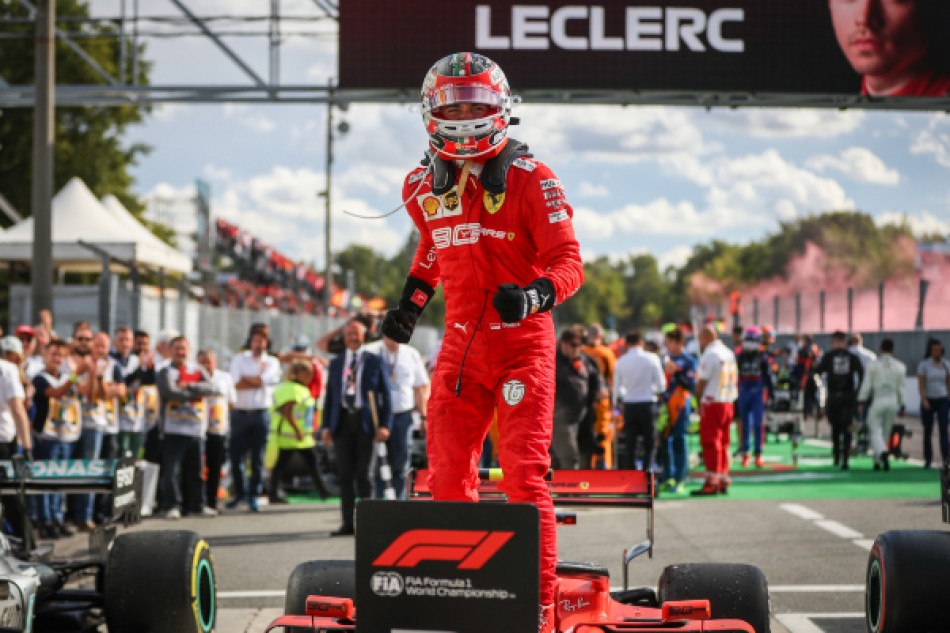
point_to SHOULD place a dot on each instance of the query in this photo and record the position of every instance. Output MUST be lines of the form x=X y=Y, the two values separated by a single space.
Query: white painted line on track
x=816 y=588
x=838 y=529
x=797 y=623
x=801 y=622
x=801 y=511
x=266 y=593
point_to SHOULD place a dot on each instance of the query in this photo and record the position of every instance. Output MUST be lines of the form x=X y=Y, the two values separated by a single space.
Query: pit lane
x=816 y=575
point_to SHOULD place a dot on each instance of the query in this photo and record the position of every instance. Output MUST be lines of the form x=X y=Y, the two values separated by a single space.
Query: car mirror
x=13 y=612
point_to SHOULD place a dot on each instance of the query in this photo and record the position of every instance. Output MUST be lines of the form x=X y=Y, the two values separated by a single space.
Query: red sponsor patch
x=419 y=298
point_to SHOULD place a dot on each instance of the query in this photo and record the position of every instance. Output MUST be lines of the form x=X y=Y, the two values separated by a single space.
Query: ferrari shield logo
x=493 y=201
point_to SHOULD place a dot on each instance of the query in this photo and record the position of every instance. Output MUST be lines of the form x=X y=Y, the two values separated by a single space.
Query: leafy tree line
x=89 y=140
x=635 y=292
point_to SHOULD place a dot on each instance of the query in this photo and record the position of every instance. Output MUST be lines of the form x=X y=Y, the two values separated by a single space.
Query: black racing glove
x=401 y=320
x=515 y=303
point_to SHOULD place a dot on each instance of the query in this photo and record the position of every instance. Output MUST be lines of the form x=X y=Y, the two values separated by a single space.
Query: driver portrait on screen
x=898 y=46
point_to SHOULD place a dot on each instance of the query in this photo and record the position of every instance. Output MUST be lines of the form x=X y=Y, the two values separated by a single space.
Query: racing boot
x=709 y=489
x=546 y=618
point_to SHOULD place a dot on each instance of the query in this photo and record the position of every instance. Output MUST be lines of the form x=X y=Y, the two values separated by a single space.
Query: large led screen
x=806 y=47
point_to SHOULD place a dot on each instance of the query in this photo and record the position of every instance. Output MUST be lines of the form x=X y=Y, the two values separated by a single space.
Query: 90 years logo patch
x=513 y=392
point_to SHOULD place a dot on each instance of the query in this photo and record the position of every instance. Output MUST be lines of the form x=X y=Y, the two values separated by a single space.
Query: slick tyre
x=160 y=582
x=734 y=591
x=331 y=578
x=907 y=573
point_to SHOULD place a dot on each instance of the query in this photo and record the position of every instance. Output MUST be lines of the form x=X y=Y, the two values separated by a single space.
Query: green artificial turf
x=814 y=477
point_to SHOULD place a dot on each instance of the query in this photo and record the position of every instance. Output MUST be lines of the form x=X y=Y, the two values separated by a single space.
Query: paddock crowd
x=622 y=403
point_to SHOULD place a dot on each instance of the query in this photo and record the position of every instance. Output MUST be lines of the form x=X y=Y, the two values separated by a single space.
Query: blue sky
x=640 y=178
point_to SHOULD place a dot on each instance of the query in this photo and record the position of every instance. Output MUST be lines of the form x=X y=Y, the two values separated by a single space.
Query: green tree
x=88 y=139
x=645 y=291
x=600 y=299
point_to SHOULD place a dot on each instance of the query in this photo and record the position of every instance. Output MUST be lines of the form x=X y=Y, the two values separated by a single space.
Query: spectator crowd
x=345 y=410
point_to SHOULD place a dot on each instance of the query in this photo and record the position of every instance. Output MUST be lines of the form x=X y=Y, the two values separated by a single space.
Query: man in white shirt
x=409 y=390
x=638 y=380
x=717 y=387
x=884 y=385
x=14 y=425
x=219 y=414
x=255 y=374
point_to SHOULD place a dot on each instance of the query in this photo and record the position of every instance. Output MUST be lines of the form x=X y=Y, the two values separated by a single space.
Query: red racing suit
x=472 y=243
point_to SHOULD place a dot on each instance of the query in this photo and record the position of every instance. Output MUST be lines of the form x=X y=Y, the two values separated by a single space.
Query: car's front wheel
x=738 y=592
x=907 y=574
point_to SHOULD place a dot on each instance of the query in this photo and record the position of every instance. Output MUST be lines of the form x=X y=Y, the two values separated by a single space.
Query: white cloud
x=921 y=223
x=588 y=189
x=281 y=207
x=790 y=123
x=676 y=256
x=747 y=192
x=213 y=172
x=858 y=163
x=612 y=134
x=935 y=140
x=169 y=112
x=248 y=117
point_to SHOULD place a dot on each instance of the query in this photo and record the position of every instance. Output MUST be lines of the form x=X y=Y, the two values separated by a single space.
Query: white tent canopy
x=78 y=216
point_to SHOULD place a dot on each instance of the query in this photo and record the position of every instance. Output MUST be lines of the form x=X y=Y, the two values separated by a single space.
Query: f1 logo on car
x=472 y=549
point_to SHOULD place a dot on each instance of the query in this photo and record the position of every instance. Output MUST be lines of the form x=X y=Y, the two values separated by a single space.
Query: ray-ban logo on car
x=513 y=392
x=471 y=549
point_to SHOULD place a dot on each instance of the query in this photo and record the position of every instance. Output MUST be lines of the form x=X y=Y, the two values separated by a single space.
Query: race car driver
x=496 y=231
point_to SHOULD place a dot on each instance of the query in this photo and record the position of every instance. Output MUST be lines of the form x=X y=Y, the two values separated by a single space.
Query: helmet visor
x=464 y=102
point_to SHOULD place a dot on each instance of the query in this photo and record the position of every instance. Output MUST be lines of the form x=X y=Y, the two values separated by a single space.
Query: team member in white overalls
x=884 y=384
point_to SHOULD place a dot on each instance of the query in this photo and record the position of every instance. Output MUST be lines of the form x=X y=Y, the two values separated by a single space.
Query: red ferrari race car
x=907 y=575
x=441 y=567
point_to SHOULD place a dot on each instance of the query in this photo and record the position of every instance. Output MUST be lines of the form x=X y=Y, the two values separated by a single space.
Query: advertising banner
x=789 y=47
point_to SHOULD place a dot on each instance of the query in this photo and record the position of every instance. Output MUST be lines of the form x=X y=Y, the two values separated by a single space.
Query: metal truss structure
x=132 y=28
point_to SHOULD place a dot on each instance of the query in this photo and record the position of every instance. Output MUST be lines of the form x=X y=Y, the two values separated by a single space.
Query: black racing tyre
x=734 y=591
x=160 y=582
x=331 y=578
x=907 y=575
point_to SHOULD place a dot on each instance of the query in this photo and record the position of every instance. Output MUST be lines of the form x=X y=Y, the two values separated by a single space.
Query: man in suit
x=355 y=376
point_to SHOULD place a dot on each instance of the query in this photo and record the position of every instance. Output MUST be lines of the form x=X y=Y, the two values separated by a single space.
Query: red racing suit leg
x=715 y=420
x=511 y=368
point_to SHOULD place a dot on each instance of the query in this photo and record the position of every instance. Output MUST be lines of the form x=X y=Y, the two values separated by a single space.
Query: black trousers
x=840 y=415
x=309 y=456
x=638 y=423
x=354 y=463
x=216 y=453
